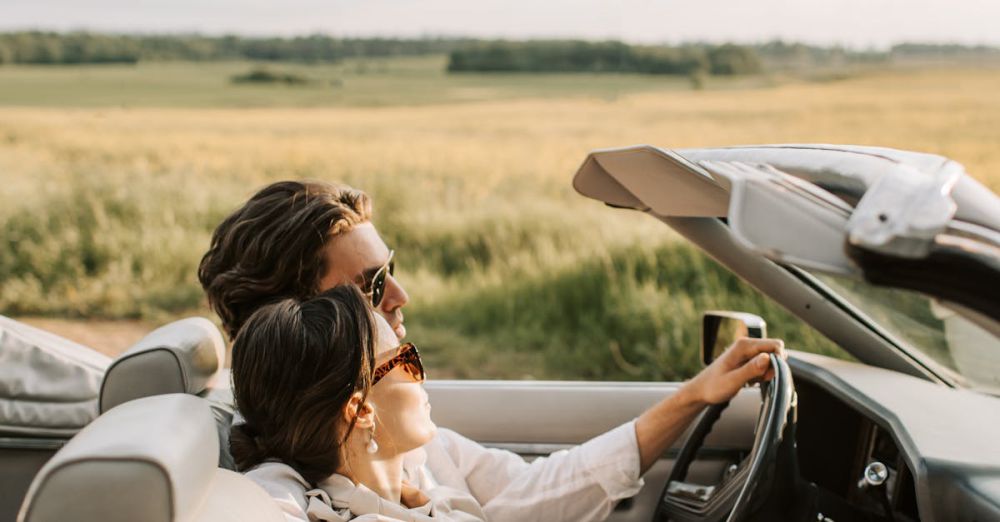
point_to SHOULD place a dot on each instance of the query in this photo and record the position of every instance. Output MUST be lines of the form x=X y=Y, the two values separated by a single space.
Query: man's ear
x=365 y=415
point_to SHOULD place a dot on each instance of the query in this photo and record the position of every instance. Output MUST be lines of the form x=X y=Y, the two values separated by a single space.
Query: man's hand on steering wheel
x=745 y=361
x=660 y=426
x=749 y=488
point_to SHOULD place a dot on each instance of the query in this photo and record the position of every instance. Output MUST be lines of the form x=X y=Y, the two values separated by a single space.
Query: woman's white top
x=338 y=499
x=467 y=482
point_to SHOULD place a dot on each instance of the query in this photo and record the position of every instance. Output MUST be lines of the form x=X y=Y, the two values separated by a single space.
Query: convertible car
x=893 y=256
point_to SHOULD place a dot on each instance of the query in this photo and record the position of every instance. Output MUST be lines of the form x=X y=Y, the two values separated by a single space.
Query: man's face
x=354 y=257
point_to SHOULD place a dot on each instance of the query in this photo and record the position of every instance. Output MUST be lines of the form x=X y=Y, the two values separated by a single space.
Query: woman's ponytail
x=247 y=447
x=295 y=366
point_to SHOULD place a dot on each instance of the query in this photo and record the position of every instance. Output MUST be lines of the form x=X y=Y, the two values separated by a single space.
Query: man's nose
x=395 y=296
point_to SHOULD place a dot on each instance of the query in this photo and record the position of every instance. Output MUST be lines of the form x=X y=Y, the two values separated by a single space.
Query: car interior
x=168 y=396
x=168 y=435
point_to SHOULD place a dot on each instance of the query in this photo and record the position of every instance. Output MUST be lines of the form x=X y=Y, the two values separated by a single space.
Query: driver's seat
x=151 y=459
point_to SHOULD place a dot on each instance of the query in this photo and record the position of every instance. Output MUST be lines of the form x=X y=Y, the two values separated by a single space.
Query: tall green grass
x=631 y=314
x=540 y=289
x=104 y=246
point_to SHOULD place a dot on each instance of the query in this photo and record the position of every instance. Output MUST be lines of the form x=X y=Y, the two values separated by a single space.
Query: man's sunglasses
x=375 y=290
x=408 y=357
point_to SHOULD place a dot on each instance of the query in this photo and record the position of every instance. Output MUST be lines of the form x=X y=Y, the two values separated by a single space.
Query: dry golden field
x=106 y=210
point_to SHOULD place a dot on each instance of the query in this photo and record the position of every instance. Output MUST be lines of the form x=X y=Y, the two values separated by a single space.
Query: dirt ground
x=108 y=337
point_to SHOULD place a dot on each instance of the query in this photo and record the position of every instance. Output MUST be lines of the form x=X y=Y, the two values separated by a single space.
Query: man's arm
x=660 y=426
x=581 y=484
x=585 y=482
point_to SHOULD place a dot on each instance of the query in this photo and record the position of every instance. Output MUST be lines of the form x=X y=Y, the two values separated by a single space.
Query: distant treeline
x=33 y=47
x=943 y=50
x=583 y=56
x=780 y=54
x=465 y=54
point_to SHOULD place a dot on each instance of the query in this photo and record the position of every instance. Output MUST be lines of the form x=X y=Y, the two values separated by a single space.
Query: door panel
x=534 y=418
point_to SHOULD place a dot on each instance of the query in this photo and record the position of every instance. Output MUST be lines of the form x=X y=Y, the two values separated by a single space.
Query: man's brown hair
x=295 y=367
x=271 y=248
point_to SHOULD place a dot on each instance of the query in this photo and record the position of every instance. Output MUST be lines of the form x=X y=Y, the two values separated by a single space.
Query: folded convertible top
x=49 y=385
x=893 y=218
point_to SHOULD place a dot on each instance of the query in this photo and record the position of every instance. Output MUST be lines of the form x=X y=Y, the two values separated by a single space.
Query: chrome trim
x=31 y=444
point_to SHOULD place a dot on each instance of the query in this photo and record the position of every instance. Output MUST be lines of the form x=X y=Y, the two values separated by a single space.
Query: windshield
x=919 y=323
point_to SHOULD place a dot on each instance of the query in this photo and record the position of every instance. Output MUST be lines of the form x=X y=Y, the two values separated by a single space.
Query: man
x=296 y=239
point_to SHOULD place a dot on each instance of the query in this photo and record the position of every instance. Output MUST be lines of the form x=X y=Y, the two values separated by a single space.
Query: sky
x=852 y=23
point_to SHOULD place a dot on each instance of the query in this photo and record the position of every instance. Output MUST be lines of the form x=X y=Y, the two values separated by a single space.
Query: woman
x=336 y=415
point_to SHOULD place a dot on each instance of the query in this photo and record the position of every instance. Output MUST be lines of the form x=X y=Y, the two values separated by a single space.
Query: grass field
x=113 y=178
x=353 y=83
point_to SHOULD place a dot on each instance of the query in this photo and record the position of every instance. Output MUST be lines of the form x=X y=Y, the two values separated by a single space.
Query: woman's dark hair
x=271 y=248
x=295 y=365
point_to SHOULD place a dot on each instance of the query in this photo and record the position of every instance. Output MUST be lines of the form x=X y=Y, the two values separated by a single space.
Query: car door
x=536 y=418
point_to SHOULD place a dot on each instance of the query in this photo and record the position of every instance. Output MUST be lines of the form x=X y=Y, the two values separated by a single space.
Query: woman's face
x=402 y=411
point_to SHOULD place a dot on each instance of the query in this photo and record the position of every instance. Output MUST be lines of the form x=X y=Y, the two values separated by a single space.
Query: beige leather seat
x=49 y=387
x=184 y=356
x=150 y=459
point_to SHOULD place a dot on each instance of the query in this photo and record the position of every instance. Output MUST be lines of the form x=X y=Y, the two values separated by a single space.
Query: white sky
x=855 y=23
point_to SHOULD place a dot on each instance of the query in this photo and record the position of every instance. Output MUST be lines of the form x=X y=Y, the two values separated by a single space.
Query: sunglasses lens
x=378 y=288
x=412 y=365
x=408 y=360
x=378 y=282
x=414 y=371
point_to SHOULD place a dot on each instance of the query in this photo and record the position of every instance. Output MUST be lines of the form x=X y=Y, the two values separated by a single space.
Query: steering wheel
x=739 y=493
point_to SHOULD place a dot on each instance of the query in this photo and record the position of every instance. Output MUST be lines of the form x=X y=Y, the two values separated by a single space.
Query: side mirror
x=719 y=329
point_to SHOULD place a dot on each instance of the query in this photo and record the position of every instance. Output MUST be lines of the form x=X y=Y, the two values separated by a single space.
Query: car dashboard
x=836 y=446
x=879 y=445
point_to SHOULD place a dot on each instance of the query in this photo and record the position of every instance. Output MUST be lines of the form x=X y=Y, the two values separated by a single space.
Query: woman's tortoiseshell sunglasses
x=406 y=356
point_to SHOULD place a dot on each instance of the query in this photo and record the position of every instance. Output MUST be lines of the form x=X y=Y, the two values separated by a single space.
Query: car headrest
x=181 y=357
x=151 y=459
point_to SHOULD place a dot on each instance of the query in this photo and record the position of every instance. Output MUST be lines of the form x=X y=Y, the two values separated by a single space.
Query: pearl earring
x=372 y=446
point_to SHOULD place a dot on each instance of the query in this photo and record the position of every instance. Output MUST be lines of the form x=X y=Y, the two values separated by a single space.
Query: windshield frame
x=935 y=369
